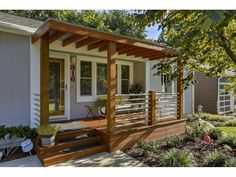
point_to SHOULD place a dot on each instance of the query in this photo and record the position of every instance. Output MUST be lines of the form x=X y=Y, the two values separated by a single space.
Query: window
x=165 y=83
x=125 y=76
x=101 y=79
x=85 y=78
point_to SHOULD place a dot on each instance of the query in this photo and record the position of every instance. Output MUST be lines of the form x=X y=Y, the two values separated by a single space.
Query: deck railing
x=131 y=109
x=166 y=106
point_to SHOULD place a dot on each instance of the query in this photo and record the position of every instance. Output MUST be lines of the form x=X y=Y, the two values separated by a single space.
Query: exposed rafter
x=55 y=36
x=97 y=45
x=86 y=41
x=71 y=39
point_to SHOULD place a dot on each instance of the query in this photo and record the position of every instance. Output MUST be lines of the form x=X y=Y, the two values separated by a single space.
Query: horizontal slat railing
x=131 y=109
x=166 y=105
x=36 y=109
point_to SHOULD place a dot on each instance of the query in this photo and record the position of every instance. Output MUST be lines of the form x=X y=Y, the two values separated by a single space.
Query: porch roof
x=96 y=39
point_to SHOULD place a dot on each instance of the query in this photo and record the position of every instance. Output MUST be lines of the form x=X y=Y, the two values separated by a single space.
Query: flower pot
x=48 y=140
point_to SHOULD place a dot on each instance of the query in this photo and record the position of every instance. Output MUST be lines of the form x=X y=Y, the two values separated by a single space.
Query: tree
x=205 y=40
x=116 y=21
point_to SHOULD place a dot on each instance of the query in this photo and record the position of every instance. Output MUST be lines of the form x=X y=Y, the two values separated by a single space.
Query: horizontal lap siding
x=206 y=93
x=14 y=79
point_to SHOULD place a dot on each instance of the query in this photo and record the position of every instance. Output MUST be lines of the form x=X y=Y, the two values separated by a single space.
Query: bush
x=147 y=147
x=47 y=130
x=229 y=140
x=217 y=117
x=17 y=131
x=216 y=133
x=173 y=141
x=216 y=159
x=177 y=158
x=198 y=130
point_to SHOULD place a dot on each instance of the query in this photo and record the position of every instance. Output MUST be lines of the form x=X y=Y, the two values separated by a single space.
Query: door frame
x=66 y=58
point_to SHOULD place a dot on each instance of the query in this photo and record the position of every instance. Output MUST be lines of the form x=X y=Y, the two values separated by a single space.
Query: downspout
x=218 y=98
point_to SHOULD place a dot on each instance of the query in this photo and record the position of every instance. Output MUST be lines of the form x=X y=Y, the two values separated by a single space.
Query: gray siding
x=140 y=73
x=14 y=79
x=206 y=93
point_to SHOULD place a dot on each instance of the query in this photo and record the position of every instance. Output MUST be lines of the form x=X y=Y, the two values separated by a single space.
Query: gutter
x=18 y=29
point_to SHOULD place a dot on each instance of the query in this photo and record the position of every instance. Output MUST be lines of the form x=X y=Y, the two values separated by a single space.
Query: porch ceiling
x=70 y=33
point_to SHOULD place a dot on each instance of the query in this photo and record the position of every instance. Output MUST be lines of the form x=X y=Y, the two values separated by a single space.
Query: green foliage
x=216 y=117
x=202 y=37
x=47 y=130
x=116 y=21
x=177 y=158
x=136 y=89
x=173 y=141
x=216 y=159
x=216 y=133
x=229 y=140
x=198 y=130
x=147 y=147
x=99 y=103
x=17 y=131
x=229 y=123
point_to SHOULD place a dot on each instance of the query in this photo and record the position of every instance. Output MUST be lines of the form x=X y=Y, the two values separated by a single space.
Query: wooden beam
x=135 y=52
x=71 y=39
x=85 y=42
x=44 y=79
x=102 y=49
x=55 y=36
x=126 y=50
x=90 y=32
x=97 y=45
x=152 y=108
x=111 y=87
x=180 y=90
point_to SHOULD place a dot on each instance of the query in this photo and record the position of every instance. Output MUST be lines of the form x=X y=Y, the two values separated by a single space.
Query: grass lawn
x=229 y=130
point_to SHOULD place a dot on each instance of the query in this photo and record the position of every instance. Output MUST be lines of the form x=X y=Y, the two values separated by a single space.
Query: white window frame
x=94 y=61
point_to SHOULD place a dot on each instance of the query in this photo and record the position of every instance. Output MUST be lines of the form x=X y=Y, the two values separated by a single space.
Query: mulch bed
x=199 y=148
x=17 y=155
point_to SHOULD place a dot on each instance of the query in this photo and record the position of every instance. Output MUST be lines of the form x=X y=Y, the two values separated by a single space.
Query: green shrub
x=47 y=130
x=217 y=117
x=173 y=141
x=177 y=158
x=147 y=147
x=216 y=159
x=198 y=130
x=215 y=133
x=17 y=131
x=229 y=140
x=230 y=123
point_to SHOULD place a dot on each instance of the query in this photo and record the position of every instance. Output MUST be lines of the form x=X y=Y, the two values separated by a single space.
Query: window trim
x=94 y=61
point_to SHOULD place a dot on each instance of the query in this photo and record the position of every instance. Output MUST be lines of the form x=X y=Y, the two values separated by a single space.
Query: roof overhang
x=95 y=39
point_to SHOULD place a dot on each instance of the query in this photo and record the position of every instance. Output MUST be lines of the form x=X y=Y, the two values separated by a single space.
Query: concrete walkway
x=105 y=159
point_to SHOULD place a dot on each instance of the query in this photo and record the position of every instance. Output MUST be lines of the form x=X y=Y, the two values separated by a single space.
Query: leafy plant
x=229 y=140
x=216 y=159
x=147 y=147
x=47 y=130
x=136 y=88
x=99 y=103
x=177 y=158
x=216 y=133
x=173 y=141
x=198 y=130
x=216 y=117
x=17 y=131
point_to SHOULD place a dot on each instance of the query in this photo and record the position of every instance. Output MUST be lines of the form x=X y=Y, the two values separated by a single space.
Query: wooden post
x=180 y=90
x=111 y=86
x=152 y=108
x=44 y=79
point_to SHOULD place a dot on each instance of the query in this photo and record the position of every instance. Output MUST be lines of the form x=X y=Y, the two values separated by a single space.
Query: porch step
x=70 y=154
x=70 y=145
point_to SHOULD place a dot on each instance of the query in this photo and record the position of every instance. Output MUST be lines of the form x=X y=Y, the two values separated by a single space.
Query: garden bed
x=189 y=149
x=17 y=155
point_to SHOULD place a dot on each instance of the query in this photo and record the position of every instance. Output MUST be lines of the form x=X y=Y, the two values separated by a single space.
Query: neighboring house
x=53 y=71
x=210 y=93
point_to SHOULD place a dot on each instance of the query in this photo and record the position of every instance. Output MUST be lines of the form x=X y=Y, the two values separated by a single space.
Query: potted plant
x=136 y=89
x=47 y=134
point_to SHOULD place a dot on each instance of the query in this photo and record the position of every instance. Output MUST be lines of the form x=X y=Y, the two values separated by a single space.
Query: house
x=211 y=94
x=51 y=72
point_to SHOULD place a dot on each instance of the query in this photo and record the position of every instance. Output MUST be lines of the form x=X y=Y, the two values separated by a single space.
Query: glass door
x=56 y=87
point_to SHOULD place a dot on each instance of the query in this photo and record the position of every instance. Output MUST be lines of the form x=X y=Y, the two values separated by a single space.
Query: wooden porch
x=112 y=132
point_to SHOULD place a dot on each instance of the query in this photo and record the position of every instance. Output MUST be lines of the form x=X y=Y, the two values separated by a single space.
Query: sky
x=152 y=32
